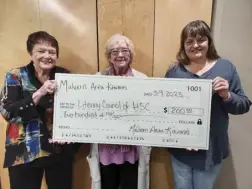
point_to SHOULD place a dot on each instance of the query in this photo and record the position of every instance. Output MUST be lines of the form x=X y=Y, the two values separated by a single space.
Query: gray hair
x=116 y=38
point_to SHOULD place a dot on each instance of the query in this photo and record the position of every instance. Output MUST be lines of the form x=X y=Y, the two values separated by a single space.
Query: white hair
x=116 y=38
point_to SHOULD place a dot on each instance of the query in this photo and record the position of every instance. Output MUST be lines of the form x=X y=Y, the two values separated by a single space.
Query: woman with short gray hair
x=119 y=166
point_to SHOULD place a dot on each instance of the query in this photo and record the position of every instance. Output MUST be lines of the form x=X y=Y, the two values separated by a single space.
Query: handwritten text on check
x=136 y=111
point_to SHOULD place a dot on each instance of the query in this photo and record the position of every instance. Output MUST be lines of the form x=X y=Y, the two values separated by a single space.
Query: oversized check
x=136 y=111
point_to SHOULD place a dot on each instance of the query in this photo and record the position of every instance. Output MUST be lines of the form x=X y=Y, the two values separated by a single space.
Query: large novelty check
x=135 y=111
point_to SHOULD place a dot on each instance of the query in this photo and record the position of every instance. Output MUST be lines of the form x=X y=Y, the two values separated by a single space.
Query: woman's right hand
x=49 y=87
x=53 y=142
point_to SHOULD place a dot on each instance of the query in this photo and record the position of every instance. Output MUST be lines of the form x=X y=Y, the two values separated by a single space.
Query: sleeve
x=238 y=103
x=13 y=107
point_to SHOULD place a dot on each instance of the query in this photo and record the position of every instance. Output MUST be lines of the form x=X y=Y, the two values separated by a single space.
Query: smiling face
x=196 y=47
x=44 y=56
x=196 y=42
x=120 y=55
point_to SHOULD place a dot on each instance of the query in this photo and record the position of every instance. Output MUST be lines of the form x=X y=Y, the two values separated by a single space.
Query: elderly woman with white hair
x=119 y=166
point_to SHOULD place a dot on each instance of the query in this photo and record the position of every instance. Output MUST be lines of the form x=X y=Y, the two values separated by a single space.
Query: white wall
x=232 y=28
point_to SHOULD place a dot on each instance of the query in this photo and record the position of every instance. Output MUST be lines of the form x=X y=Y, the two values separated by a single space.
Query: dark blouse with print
x=29 y=126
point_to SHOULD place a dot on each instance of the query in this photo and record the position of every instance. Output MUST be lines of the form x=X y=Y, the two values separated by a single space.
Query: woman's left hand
x=53 y=142
x=221 y=86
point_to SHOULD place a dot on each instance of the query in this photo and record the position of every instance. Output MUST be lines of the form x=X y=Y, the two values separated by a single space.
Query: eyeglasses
x=116 y=52
x=192 y=41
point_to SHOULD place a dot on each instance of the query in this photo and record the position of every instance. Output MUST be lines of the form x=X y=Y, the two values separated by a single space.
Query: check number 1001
x=194 y=88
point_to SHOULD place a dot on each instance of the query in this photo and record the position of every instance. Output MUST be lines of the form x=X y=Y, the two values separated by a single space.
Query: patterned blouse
x=28 y=126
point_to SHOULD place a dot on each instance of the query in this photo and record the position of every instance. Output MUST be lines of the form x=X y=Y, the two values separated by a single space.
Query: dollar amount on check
x=135 y=111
